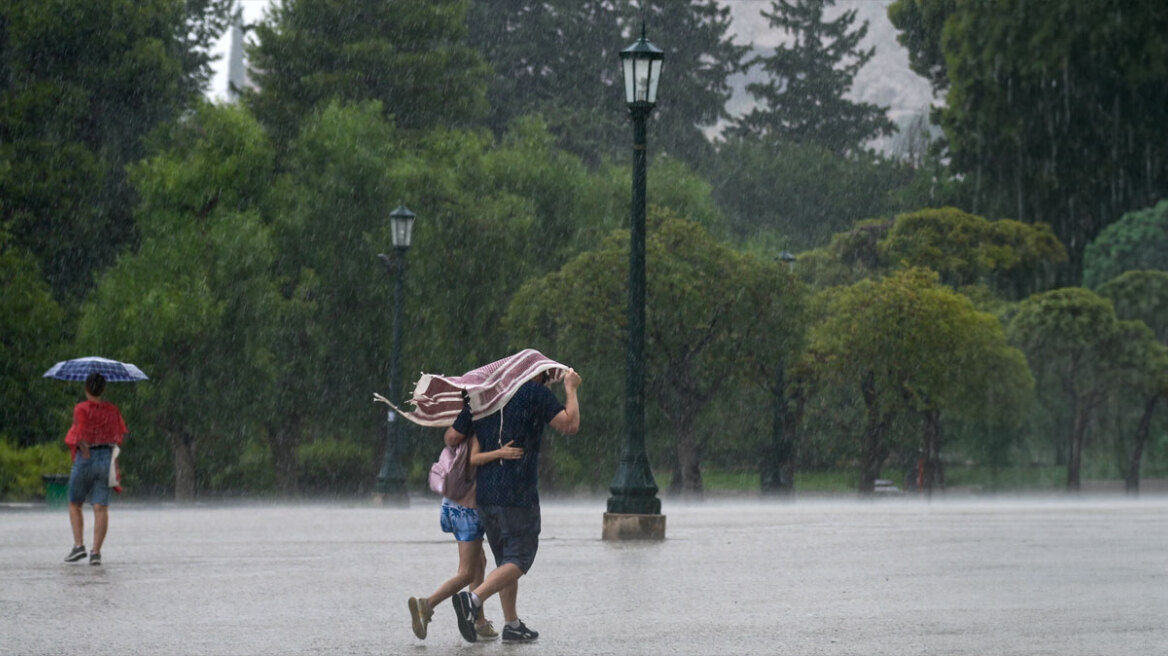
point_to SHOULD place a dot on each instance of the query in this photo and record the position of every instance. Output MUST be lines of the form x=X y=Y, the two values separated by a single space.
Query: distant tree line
x=933 y=308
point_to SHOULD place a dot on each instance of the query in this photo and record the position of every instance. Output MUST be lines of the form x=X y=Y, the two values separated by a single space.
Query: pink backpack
x=452 y=476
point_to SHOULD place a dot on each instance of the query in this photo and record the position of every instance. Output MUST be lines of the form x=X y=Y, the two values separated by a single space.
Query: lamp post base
x=619 y=526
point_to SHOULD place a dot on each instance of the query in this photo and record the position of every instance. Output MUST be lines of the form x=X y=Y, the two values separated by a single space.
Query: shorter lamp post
x=391 y=480
x=777 y=479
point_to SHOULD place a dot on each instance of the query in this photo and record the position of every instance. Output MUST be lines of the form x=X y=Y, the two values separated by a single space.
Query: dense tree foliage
x=81 y=83
x=1077 y=348
x=906 y=344
x=192 y=305
x=800 y=194
x=1141 y=296
x=714 y=317
x=32 y=333
x=231 y=251
x=1139 y=240
x=412 y=57
x=1011 y=258
x=558 y=58
x=1054 y=110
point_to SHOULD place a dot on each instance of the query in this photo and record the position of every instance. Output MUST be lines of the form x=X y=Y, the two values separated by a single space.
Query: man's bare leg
x=501 y=577
x=507 y=597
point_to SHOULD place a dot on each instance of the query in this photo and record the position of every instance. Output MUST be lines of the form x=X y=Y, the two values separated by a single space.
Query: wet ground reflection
x=1067 y=577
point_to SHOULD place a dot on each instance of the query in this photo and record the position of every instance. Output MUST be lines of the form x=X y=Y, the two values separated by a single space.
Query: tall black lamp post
x=634 y=491
x=391 y=480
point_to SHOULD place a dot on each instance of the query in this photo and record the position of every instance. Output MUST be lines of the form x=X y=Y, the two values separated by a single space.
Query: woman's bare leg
x=100 y=526
x=77 y=522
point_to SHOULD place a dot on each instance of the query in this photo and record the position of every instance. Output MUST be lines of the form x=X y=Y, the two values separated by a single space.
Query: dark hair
x=95 y=384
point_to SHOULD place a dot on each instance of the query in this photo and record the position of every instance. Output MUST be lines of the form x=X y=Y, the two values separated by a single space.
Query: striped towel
x=438 y=399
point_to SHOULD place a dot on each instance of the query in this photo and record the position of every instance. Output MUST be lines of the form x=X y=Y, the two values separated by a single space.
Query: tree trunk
x=689 y=462
x=183 y=448
x=1078 y=432
x=875 y=451
x=791 y=421
x=934 y=476
x=778 y=466
x=1131 y=482
x=282 y=444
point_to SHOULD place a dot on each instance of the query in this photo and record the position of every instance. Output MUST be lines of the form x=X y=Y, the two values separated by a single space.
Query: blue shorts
x=463 y=522
x=89 y=478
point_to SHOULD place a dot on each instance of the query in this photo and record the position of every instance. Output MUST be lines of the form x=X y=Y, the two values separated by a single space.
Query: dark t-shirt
x=512 y=482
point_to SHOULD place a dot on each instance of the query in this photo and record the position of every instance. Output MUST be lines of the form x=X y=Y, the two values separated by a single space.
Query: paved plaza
x=1058 y=576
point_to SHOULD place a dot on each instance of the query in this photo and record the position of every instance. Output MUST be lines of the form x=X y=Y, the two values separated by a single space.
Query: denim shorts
x=463 y=522
x=89 y=478
x=513 y=534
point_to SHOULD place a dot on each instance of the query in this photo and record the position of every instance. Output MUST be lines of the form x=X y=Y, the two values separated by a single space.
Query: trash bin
x=56 y=489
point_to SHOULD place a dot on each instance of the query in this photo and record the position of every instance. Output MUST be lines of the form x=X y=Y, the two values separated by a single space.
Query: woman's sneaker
x=486 y=631
x=95 y=558
x=77 y=554
x=420 y=613
x=519 y=634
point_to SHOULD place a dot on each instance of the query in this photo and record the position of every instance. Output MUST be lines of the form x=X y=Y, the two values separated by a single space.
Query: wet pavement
x=896 y=576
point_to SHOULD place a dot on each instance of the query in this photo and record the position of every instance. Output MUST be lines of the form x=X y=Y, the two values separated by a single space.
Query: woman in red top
x=97 y=428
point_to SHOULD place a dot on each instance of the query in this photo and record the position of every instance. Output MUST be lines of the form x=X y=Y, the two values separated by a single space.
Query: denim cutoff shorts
x=89 y=478
x=463 y=522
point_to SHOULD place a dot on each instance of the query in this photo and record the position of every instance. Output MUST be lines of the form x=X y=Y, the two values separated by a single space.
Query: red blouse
x=95 y=422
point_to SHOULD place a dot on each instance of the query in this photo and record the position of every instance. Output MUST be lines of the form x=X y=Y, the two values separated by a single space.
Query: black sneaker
x=464 y=608
x=521 y=634
x=77 y=554
x=95 y=558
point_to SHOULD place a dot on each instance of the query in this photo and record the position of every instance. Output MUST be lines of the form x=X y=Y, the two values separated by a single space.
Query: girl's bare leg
x=469 y=557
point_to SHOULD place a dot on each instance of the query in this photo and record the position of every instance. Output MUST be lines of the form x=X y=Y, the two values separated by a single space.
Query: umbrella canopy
x=79 y=369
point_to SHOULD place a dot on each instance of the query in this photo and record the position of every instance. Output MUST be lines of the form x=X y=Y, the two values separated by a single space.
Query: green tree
x=921 y=23
x=83 y=82
x=1014 y=258
x=1138 y=240
x=1142 y=296
x=713 y=316
x=489 y=217
x=908 y=345
x=412 y=57
x=803 y=99
x=800 y=193
x=1055 y=111
x=32 y=328
x=968 y=252
x=559 y=58
x=1074 y=341
x=192 y=306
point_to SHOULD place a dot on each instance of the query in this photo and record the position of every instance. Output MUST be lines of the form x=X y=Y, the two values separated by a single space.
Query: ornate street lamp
x=788 y=258
x=634 y=492
x=391 y=480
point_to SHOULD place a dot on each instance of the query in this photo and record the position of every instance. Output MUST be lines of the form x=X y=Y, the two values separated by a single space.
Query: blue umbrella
x=79 y=369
